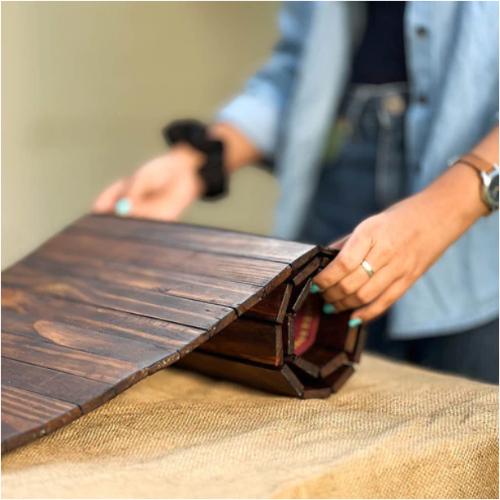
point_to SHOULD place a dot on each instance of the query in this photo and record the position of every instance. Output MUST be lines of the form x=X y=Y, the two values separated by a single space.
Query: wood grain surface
x=110 y=300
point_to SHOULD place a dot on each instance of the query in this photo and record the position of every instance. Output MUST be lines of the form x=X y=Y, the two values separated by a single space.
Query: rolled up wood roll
x=110 y=300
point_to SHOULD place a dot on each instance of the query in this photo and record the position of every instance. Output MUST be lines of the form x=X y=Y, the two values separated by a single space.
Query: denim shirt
x=287 y=109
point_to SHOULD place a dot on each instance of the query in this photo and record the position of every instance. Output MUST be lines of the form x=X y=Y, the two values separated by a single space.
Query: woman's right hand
x=161 y=189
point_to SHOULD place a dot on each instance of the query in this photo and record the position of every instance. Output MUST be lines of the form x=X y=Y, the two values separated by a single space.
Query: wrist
x=467 y=192
x=187 y=156
x=454 y=199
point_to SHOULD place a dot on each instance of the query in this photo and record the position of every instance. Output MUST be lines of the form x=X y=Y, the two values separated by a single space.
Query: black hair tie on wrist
x=195 y=134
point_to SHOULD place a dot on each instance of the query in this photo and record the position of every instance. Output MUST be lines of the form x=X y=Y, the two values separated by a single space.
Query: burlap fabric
x=392 y=432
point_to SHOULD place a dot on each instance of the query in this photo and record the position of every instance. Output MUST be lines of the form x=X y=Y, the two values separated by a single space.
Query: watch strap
x=476 y=162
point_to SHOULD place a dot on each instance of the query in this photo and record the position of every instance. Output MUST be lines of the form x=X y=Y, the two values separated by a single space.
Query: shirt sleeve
x=257 y=112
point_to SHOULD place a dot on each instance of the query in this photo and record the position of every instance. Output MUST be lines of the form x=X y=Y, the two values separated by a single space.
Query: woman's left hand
x=400 y=244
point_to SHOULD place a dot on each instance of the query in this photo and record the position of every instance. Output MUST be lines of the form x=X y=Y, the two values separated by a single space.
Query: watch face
x=493 y=191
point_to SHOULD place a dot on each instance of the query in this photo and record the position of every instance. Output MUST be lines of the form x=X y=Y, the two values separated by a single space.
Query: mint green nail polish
x=328 y=309
x=314 y=289
x=123 y=206
x=354 y=322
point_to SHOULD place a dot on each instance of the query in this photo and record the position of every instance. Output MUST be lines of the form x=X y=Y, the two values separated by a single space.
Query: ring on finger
x=368 y=268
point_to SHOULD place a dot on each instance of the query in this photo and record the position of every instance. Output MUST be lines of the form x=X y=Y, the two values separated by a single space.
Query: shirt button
x=422 y=99
x=422 y=32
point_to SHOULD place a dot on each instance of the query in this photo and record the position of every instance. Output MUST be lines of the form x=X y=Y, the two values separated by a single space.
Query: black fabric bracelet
x=195 y=134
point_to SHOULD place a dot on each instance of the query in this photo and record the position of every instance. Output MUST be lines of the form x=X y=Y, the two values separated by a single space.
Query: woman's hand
x=400 y=244
x=161 y=189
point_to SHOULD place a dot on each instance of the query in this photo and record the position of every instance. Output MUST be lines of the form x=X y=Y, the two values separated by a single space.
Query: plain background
x=87 y=87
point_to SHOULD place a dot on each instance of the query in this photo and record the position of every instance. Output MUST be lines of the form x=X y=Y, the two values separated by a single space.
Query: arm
x=248 y=126
x=403 y=242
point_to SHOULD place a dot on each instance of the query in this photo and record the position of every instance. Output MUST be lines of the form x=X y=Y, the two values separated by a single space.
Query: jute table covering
x=393 y=432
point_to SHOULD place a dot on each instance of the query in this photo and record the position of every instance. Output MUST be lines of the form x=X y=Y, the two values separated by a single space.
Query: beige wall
x=86 y=88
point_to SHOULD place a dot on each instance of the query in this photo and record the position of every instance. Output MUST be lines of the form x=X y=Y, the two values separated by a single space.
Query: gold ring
x=369 y=269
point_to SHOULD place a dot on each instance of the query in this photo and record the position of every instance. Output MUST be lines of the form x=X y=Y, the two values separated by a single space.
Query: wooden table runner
x=110 y=300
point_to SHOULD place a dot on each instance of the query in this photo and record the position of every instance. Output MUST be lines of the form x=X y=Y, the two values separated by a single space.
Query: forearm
x=455 y=197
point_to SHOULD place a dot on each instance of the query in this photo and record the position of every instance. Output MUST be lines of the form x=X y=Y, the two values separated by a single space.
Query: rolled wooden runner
x=109 y=301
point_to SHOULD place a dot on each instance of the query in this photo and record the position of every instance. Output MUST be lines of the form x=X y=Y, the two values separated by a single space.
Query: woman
x=328 y=111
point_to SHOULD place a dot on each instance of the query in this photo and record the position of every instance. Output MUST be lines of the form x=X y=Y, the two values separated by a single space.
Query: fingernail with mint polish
x=314 y=289
x=354 y=322
x=123 y=206
x=328 y=309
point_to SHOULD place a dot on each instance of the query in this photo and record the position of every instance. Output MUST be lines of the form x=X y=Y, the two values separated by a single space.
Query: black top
x=381 y=56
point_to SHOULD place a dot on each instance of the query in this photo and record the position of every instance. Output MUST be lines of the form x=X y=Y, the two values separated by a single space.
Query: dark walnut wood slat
x=128 y=299
x=336 y=333
x=120 y=374
x=355 y=356
x=300 y=296
x=86 y=393
x=76 y=247
x=306 y=271
x=213 y=290
x=281 y=380
x=289 y=335
x=338 y=378
x=326 y=360
x=246 y=339
x=199 y=238
x=108 y=301
x=61 y=334
x=272 y=308
x=172 y=337
x=276 y=380
x=27 y=415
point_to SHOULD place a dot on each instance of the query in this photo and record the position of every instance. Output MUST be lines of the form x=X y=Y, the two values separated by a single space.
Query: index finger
x=351 y=256
x=107 y=199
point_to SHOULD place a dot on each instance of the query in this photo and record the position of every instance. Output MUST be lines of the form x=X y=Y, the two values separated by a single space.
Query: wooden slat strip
x=351 y=339
x=289 y=335
x=273 y=307
x=338 y=378
x=132 y=300
x=313 y=392
x=119 y=374
x=86 y=393
x=304 y=365
x=234 y=294
x=252 y=340
x=71 y=247
x=334 y=331
x=301 y=296
x=355 y=356
x=280 y=381
x=169 y=336
x=327 y=360
x=103 y=344
x=307 y=272
x=26 y=415
x=206 y=239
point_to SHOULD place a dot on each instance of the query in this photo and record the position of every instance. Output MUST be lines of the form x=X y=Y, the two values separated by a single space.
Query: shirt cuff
x=255 y=118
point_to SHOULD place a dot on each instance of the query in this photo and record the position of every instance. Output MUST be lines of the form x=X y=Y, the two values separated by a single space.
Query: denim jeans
x=364 y=173
x=364 y=169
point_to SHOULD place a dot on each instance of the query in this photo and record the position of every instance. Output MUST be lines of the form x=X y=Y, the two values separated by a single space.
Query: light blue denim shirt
x=288 y=107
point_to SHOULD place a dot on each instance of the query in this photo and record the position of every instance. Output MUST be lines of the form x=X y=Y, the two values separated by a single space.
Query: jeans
x=363 y=174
